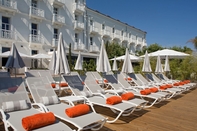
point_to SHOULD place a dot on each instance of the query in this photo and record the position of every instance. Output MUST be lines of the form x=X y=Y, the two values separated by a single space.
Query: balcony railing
x=79 y=46
x=106 y=33
x=39 y=13
x=58 y=19
x=54 y=42
x=36 y=39
x=93 y=48
x=93 y=29
x=79 y=7
x=133 y=40
x=8 y=34
x=8 y=4
x=79 y=25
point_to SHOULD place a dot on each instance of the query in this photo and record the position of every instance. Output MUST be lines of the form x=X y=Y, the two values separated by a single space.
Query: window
x=76 y=1
x=5 y=23
x=122 y=32
x=91 y=22
x=55 y=10
x=103 y=26
x=76 y=37
x=55 y=33
x=34 y=29
x=91 y=40
x=113 y=30
x=34 y=3
x=76 y=17
x=129 y=35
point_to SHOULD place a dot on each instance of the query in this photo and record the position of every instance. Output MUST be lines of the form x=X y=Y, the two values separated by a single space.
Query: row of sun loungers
x=78 y=109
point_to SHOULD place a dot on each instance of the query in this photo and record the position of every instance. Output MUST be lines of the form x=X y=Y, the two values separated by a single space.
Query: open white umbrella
x=158 y=68
x=115 y=68
x=133 y=58
x=167 y=52
x=78 y=65
x=14 y=59
x=146 y=65
x=167 y=66
x=62 y=66
x=103 y=62
x=7 y=53
x=127 y=66
x=41 y=56
x=52 y=63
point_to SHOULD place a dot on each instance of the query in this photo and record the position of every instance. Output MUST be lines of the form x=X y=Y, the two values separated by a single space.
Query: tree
x=69 y=56
x=193 y=41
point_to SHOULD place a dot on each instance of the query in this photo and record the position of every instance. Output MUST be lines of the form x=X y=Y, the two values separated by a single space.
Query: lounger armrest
x=72 y=99
x=99 y=94
x=3 y=115
x=114 y=92
x=41 y=106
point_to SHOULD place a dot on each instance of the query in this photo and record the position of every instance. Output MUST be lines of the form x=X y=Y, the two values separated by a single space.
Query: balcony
x=93 y=30
x=116 y=36
x=36 y=13
x=58 y=2
x=79 y=47
x=36 y=39
x=79 y=8
x=106 y=33
x=78 y=25
x=54 y=42
x=139 y=41
x=7 y=35
x=125 y=39
x=94 y=49
x=58 y=20
x=8 y=6
x=133 y=40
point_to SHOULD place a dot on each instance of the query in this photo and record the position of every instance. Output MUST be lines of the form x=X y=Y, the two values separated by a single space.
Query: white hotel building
x=34 y=25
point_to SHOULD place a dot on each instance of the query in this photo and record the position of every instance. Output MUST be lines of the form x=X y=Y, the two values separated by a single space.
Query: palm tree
x=193 y=41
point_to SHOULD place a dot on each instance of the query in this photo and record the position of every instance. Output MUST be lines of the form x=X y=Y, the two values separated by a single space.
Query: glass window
x=34 y=29
x=76 y=37
x=55 y=10
x=91 y=22
x=103 y=26
x=34 y=3
x=76 y=17
x=113 y=30
x=91 y=40
x=55 y=33
x=5 y=23
x=122 y=32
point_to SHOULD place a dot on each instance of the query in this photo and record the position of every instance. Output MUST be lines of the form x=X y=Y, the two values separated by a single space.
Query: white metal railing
x=8 y=4
x=8 y=34
x=79 y=46
x=93 y=29
x=78 y=6
x=36 y=11
x=58 y=18
x=36 y=38
x=60 y=1
x=106 y=32
x=54 y=42
x=94 y=48
x=79 y=25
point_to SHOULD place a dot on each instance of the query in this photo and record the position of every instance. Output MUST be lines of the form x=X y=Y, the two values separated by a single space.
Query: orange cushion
x=153 y=89
x=169 y=85
x=12 y=89
x=127 y=96
x=181 y=83
x=176 y=84
x=77 y=110
x=53 y=85
x=97 y=81
x=64 y=84
x=113 y=100
x=145 y=92
x=38 y=120
x=105 y=81
x=83 y=83
x=163 y=87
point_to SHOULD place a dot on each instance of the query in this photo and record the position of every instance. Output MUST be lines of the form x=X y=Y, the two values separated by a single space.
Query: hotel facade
x=34 y=25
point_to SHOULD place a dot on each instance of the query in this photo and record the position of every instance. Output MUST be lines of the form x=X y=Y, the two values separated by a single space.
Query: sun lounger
x=40 y=90
x=4 y=74
x=79 y=89
x=95 y=88
x=12 y=92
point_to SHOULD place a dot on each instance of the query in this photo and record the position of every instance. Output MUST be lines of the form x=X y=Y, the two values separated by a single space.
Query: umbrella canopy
x=78 y=65
x=115 y=68
x=158 y=68
x=62 y=66
x=171 y=53
x=103 y=62
x=127 y=66
x=52 y=63
x=14 y=59
x=41 y=56
x=167 y=66
x=7 y=54
x=133 y=58
x=146 y=65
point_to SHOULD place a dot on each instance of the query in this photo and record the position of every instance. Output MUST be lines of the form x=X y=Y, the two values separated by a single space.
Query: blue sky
x=167 y=22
